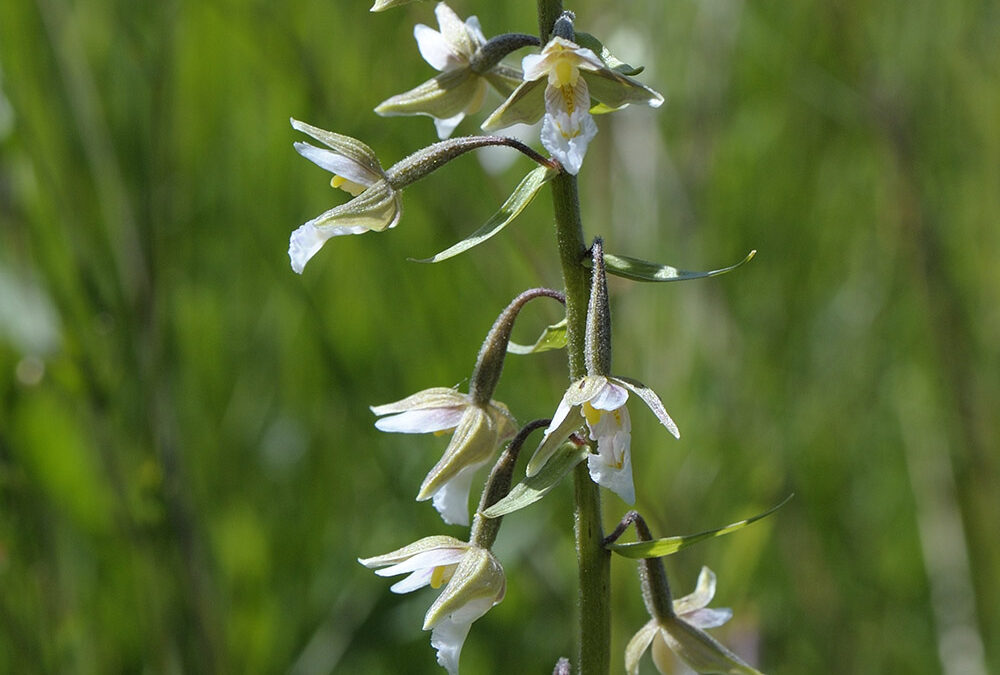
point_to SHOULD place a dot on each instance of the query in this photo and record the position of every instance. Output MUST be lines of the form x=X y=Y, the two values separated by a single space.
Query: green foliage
x=185 y=441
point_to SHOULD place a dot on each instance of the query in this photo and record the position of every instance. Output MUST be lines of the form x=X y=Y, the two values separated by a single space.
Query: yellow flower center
x=347 y=185
x=441 y=575
x=592 y=414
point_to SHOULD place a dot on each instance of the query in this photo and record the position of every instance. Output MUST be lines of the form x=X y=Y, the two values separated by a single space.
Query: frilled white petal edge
x=307 y=240
x=337 y=164
x=452 y=500
x=566 y=137
x=431 y=420
x=449 y=634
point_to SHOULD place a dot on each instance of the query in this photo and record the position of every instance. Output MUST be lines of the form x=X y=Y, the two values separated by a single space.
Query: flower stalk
x=593 y=560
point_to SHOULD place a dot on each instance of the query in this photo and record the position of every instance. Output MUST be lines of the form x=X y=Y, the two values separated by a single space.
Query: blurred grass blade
x=670 y=545
x=511 y=209
x=530 y=490
x=641 y=270
x=553 y=337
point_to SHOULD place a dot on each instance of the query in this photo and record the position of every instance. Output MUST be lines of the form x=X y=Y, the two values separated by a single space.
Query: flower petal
x=708 y=618
x=477 y=576
x=563 y=424
x=703 y=593
x=611 y=467
x=452 y=499
x=421 y=421
x=448 y=636
x=474 y=442
x=307 y=240
x=609 y=397
x=435 y=397
x=439 y=541
x=700 y=650
x=435 y=49
x=652 y=400
x=526 y=105
x=637 y=646
x=337 y=164
x=350 y=148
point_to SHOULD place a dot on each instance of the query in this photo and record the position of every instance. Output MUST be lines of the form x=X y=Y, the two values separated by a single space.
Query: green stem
x=593 y=560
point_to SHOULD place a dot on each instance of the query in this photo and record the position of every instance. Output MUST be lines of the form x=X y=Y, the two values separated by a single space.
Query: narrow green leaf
x=530 y=490
x=641 y=270
x=511 y=209
x=614 y=63
x=553 y=337
x=670 y=545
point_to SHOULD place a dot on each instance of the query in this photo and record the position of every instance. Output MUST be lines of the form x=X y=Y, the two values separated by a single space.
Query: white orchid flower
x=459 y=90
x=477 y=432
x=682 y=634
x=375 y=205
x=600 y=401
x=473 y=582
x=572 y=75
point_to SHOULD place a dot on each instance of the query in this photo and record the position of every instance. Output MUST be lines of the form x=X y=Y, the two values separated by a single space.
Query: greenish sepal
x=504 y=78
x=642 y=270
x=610 y=60
x=351 y=148
x=523 y=194
x=616 y=90
x=553 y=337
x=478 y=575
x=530 y=490
x=443 y=96
x=382 y=5
x=669 y=545
x=525 y=105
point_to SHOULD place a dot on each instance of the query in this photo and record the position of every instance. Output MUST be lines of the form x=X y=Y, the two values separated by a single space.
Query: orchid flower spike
x=477 y=431
x=375 y=205
x=679 y=631
x=459 y=89
x=473 y=582
x=572 y=75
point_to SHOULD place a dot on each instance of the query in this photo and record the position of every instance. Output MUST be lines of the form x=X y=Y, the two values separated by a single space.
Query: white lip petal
x=611 y=472
x=452 y=500
x=421 y=421
x=567 y=138
x=449 y=633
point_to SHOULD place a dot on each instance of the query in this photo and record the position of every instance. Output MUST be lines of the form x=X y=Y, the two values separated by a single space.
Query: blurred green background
x=188 y=469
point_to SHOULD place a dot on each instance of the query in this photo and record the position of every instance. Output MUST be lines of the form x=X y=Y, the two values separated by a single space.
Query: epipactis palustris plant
x=563 y=78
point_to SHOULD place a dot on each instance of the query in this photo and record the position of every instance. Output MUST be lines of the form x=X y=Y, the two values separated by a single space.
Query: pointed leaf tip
x=519 y=199
x=643 y=270
x=658 y=548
